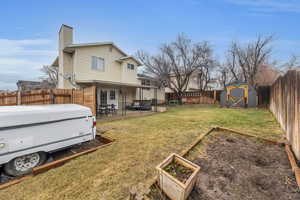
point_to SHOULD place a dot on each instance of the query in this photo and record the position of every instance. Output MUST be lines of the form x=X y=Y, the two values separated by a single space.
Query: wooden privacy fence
x=285 y=105
x=206 y=97
x=85 y=97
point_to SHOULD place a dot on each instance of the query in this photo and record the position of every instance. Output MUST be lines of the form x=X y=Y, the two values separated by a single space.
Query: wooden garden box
x=171 y=186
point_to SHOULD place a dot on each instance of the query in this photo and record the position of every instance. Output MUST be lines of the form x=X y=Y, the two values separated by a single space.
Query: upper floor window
x=145 y=82
x=130 y=66
x=98 y=63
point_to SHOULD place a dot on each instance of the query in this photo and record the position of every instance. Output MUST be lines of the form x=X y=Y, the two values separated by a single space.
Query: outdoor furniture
x=143 y=105
x=146 y=105
x=173 y=102
x=112 y=109
x=106 y=109
x=101 y=110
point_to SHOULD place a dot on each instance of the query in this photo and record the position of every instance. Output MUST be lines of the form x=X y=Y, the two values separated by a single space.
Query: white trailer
x=29 y=133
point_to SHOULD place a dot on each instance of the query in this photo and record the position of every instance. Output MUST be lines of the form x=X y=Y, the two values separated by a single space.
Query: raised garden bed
x=177 y=177
x=235 y=167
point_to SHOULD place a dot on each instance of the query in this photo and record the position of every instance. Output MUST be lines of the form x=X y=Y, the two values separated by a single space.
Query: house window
x=112 y=95
x=98 y=63
x=145 y=82
x=130 y=66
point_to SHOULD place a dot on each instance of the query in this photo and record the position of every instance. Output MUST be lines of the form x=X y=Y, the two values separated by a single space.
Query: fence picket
x=285 y=105
x=56 y=96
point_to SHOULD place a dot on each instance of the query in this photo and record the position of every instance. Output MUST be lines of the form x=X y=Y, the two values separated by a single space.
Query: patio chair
x=134 y=106
x=146 y=105
x=102 y=110
x=112 y=109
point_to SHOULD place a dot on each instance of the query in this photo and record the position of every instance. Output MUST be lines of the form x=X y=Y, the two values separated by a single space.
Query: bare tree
x=223 y=75
x=244 y=61
x=50 y=74
x=229 y=70
x=176 y=62
x=293 y=63
x=206 y=68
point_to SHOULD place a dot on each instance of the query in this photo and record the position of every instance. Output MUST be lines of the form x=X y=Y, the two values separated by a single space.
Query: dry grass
x=142 y=143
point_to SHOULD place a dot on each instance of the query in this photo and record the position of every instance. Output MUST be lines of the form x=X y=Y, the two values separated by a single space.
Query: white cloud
x=24 y=47
x=22 y=59
x=269 y=6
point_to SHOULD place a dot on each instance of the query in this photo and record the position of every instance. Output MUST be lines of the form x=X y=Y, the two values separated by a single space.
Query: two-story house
x=102 y=64
x=194 y=82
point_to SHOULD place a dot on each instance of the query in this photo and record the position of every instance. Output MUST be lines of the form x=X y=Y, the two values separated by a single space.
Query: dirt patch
x=77 y=149
x=179 y=171
x=237 y=167
x=240 y=168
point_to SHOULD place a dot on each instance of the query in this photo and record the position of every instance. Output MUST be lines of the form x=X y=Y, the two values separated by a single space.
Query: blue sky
x=28 y=34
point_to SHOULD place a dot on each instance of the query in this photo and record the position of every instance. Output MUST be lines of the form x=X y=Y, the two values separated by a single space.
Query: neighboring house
x=214 y=84
x=267 y=75
x=193 y=84
x=152 y=92
x=102 y=64
x=264 y=79
x=34 y=85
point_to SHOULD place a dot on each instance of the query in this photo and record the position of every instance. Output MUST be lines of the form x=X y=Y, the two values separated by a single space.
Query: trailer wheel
x=23 y=164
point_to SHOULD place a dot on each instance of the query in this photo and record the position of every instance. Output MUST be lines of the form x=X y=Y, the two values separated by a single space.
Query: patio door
x=103 y=97
x=113 y=96
x=108 y=96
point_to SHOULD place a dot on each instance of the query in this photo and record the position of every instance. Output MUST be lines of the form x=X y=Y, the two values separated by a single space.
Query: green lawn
x=141 y=144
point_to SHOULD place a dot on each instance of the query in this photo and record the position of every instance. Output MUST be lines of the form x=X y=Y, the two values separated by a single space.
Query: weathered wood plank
x=86 y=97
x=285 y=105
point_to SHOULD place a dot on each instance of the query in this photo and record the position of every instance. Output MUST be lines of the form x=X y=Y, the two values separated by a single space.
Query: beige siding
x=76 y=64
x=128 y=75
x=68 y=70
x=114 y=71
x=82 y=64
x=149 y=94
x=130 y=95
x=192 y=84
x=65 y=63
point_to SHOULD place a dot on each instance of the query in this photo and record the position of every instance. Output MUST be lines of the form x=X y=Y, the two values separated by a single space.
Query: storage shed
x=239 y=94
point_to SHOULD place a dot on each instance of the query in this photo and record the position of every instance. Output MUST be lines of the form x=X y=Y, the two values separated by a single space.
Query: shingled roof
x=267 y=75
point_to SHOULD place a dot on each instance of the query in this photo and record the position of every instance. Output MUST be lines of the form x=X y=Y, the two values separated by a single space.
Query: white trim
x=70 y=46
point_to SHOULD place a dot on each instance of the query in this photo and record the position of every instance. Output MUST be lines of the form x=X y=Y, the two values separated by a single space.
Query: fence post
x=297 y=115
x=52 y=97
x=215 y=96
x=19 y=97
x=72 y=96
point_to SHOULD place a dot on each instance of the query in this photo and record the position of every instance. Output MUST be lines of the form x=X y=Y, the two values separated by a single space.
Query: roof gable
x=124 y=58
x=71 y=47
